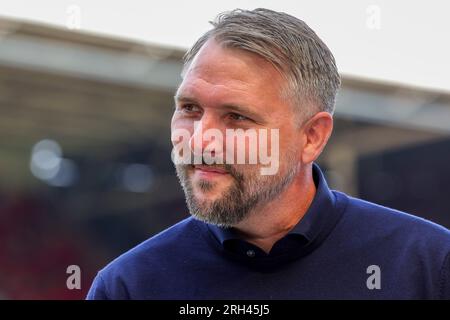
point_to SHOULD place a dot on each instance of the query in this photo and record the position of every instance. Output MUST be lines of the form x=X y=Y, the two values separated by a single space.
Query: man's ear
x=316 y=132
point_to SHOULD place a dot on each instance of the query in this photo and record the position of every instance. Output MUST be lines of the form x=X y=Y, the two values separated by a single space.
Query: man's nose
x=207 y=137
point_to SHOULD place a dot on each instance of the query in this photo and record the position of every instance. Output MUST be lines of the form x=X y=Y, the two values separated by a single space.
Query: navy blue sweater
x=343 y=248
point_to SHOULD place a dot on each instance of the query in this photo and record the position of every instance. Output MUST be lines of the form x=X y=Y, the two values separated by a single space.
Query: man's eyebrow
x=181 y=97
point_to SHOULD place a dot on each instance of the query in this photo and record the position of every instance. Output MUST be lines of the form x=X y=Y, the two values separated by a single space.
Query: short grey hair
x=287 y=42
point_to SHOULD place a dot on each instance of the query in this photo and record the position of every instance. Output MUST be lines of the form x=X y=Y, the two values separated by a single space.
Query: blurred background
x=86 y=96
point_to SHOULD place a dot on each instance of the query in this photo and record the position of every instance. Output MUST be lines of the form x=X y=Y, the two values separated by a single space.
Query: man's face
x=227 y=89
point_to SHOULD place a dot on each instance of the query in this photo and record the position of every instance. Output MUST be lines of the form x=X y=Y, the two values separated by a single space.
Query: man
x=281 y=235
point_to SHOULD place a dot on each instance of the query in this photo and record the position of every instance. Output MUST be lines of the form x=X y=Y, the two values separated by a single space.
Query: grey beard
x=237 y=202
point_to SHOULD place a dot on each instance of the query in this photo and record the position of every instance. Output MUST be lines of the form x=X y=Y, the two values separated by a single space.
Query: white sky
x=393 y=40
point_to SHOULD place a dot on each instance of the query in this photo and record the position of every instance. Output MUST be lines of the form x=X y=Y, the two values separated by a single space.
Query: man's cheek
x=181 y=152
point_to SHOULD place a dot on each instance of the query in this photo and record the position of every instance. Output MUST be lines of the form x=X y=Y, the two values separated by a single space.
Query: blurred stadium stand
x=85 y=169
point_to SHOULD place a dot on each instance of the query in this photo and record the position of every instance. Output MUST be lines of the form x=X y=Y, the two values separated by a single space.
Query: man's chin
x=207 y=197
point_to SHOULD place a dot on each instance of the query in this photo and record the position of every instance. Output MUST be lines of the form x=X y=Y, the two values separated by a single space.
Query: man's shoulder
x=374 y=219
x=413 y=252
x=158 y=248
x=144 y=270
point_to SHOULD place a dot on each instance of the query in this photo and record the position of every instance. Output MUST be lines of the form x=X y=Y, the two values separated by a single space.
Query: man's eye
x=237 y=117
x=189 y=108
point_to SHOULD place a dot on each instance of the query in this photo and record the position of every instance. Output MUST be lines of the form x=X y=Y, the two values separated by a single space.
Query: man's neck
x=268 y=224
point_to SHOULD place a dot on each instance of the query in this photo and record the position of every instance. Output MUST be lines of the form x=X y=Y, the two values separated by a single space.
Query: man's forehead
x=228 y=86
x=225 y=87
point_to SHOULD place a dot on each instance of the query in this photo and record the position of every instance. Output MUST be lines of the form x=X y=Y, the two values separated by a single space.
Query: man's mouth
x=209 y=171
